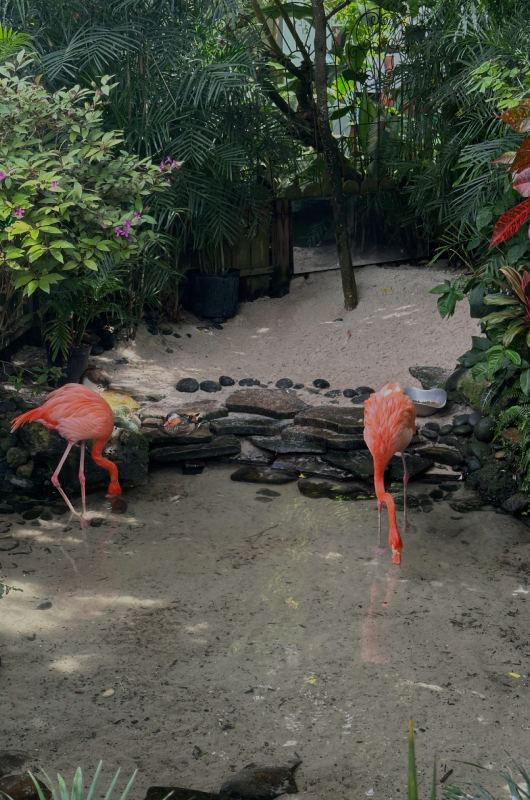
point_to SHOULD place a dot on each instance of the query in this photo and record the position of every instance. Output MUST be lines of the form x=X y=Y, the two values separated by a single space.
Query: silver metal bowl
x=427 y=401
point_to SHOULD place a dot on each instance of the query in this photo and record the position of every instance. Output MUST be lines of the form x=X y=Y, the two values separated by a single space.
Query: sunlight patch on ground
x=67 y=665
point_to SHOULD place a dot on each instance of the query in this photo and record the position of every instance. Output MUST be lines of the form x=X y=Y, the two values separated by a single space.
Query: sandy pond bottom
x=211 y=626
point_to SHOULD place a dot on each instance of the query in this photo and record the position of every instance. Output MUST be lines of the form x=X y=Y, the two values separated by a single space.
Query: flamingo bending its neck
x=389 y=425
x=78 y=415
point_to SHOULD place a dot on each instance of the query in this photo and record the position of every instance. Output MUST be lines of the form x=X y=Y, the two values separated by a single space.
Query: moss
x=472 y=390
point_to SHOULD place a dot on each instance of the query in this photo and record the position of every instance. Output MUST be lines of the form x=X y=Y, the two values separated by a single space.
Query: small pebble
x=189 y=385
x=107 y=693
x=364 y=390
x=210 y=386
x=349 y=393
x=248 y=382
x=97 y=522
x=320 y=383
x=284 y=383
x=177 y=336
x=436 y=494
x=225 y=380
x=44 y=606
x=169 y=350
x=298 y=386
x=118 y=505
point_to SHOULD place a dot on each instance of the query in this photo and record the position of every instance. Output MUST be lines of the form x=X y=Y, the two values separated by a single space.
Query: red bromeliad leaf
x=506 y=158
x=518 y=118
x=521 y=182
x=509 y=223
x=522 y=157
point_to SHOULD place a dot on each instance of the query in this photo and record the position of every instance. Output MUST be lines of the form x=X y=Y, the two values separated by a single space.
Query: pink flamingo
x=78 y=415
x=389 y=425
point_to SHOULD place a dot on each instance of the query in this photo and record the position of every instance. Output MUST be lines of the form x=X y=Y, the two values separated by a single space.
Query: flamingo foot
x=396 y=556
x=83 y=521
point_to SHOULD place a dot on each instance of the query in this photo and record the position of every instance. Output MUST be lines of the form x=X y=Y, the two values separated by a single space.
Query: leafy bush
x=71 y=198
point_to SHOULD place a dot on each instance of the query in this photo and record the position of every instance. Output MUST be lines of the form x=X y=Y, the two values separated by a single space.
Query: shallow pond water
x=217 y=623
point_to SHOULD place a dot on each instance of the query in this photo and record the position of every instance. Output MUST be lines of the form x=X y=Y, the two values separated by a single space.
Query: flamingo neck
x=114 y=487
x=394 y=538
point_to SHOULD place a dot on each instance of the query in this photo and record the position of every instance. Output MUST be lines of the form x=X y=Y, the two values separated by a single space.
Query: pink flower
x=54 y=185
x=136 y=214
x=19 y=212
x=2 y=175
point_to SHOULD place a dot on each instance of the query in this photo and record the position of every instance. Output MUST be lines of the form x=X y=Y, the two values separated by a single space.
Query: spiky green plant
x=412 y=783
x=518 y=786
x=77 y=789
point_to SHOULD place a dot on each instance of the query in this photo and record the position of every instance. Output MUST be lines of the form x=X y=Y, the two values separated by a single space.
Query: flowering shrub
x=70 y=196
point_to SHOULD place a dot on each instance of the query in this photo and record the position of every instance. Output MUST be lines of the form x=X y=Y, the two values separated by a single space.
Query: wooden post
x=281 y=248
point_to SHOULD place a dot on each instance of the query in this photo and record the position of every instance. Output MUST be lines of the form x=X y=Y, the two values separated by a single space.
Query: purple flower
x=54 y=185
x=136 y=215
x=19 y=212
x=2 y=175
x=169 y=164
x=122 y=231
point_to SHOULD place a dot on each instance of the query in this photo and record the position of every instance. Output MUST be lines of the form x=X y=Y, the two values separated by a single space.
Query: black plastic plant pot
x=214 y=296
x=77 y=363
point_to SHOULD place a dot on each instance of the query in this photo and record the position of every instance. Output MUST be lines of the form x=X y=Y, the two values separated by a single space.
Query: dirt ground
x=307 y=335
x=213 y=625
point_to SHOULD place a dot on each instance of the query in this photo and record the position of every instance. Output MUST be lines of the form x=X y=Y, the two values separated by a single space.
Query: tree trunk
x=332 y=158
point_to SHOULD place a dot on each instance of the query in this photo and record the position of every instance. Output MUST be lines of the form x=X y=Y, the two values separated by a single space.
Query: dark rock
x=284 y=383
x=431 y=377
x=416 y=465
x=320 y=383
x=332 y=440
x=436 y=494
x=334 y=490
x=187 y=385
x=441 y=454
x=210 y=386
x=268 y=493
x=267 y=402
x=445 y=430
x=252 y=425
x=44 y=606
x=333 y=393
x=97 y=350
x=220 y=447
x=359 y=400
x=160 y=437
x=250 y=454
x=349 y=393
x=432 y=426
x=428 y=433
x=193 y=467
x=255 y=782
x=166 y=329
x=6 y=508
x=97 y=522
x=278 y=445
x=262 y=475
x=16 y=456
x=484 y=430
x=12 y=761
x=449 y=487
x=248 y=382
x=21 y=787
x=33 y=513
x=473 y=464
x=312 y=466
x=333 y=418
x=465 y=506
x=169 y=350
x=177 y=793
x=298 y=386
x=516 y=504
x=494 y=482
x=450 y=440
x=359 y=464
x=463 y=429
x=118 y=505
x=364 y=390
x=177 y=336
x=461 y=419
x=480 y=450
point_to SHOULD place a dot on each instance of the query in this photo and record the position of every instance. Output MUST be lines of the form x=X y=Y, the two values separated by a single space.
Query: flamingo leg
x=379 y=506
x=82 y=483
x=55 y=479
x=405 y=484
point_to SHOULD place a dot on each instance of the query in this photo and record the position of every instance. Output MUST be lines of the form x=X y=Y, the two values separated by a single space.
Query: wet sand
x=208 y=618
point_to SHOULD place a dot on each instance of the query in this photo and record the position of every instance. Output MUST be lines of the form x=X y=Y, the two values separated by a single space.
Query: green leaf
x=484 y=217
x=61 y=243
x=91 y=263
x=14 y=252
x=513 y=330
x=514 y=357
x=412 y=792
x=524 y=381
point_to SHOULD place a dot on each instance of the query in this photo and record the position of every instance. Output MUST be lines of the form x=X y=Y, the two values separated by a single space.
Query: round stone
x=210 y=386
x=349 y=393
x=364 y=390
x=187 y=385
x=248 y=382
x=225 y=380
x=97 y=350
x=485 y=429
x=428 y=433
x=298 y=386
x=284 y=383
x=320 y=383
x=333 y=393
x=166 y=329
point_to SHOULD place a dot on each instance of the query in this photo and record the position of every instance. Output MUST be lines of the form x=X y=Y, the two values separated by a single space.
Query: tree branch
x=292 y=30
x=338 y=8
x=281 y=57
